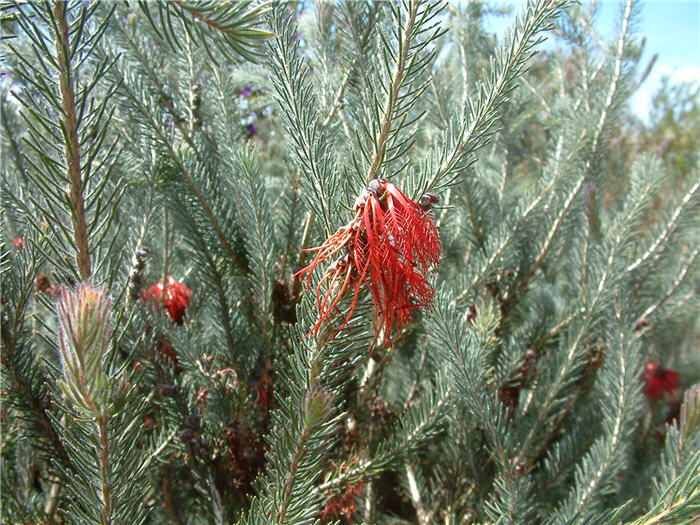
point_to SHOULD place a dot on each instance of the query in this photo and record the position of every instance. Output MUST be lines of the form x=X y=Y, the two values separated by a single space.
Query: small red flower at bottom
x=148 y=423
x=167 y=351
x=265 y=389
x=177 y=297
x=389 y=246
x=343 y=504
x=658 y=380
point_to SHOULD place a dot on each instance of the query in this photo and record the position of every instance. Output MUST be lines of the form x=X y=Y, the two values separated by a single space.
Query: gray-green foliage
x=216 y=141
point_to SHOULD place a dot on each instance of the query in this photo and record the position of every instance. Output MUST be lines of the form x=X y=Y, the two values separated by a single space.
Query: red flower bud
x=658 y=380
x=177 y=297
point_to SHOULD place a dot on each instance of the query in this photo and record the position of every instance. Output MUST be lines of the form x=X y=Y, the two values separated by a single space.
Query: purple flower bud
x=246 y=91
x=251 y=129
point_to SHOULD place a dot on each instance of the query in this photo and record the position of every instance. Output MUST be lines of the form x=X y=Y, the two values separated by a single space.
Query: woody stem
x=72 y=153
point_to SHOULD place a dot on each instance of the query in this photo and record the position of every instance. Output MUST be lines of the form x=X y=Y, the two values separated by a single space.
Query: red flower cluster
x=177 y=297
x=18 y=243
x=390 y=245
x=342 y=504
x=658 y=380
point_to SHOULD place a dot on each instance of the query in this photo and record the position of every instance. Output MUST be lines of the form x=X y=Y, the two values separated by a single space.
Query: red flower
x=177 y=297
x=201 y=396
x=18 y=243
x=390 y=245
x=265 y=389
x=658 y=380
x=166 y=350
x=342 y=505
x=148 y=423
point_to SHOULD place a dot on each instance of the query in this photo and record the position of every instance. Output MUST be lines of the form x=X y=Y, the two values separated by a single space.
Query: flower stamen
x=390 y=245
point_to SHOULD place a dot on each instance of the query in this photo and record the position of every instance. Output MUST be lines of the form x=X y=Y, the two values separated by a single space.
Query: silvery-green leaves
x=84 y=331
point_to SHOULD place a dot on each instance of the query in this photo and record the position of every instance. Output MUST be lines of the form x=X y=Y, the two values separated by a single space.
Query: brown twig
x=105 y=473
x=70 y=124
x=168 y=500
x=22 y=387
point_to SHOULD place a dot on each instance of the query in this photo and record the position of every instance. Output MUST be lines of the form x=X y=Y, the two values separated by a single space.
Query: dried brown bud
x=283 y=308
x=374 y=186
x=168 y=390
x=192 y=420
x=642 y=323
x=43 y=285
x=428 y=200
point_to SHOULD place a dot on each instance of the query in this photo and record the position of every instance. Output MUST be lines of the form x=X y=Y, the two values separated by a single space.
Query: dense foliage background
x=176 y=158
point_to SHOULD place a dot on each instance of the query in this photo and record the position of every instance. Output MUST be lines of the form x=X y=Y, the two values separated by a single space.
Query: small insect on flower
x=389 y=246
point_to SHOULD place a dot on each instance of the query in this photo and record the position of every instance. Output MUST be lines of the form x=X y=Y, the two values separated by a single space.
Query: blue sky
x=672 y=29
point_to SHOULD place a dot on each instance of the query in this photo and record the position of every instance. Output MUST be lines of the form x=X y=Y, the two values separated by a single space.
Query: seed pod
x=43 y=285
x=282 y=305
x=642 y=323
x=168 y=390
x=374 y=186
x=138 y=264
x=192 y=420
x=428 y=200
